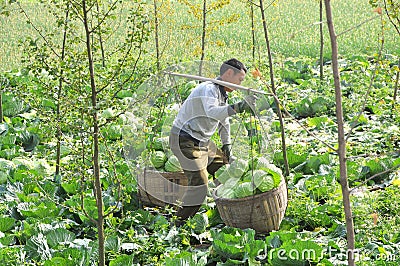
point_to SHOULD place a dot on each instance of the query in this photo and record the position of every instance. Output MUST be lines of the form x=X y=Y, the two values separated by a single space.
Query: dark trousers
x=197 y=160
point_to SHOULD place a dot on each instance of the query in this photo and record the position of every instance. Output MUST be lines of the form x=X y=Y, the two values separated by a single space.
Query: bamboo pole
x=219 y=82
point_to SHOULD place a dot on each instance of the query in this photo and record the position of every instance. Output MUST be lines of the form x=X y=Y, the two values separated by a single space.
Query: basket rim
x=161 y=172
x=142 y=185
x=254 y=196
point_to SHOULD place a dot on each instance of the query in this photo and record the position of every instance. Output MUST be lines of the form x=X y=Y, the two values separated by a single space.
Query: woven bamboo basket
x=262 y=212
x=161 y=188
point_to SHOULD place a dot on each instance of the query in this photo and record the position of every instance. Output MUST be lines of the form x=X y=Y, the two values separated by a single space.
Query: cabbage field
x=88 y=101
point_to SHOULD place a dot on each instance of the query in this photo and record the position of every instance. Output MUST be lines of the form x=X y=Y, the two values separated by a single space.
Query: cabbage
x=169 y=153
x=161 y=144
x=158 y=159
x=238 y=168
x=42 y=167
x=262 y=179
x=273 y=170
x=199 y=223
x=221 y=170
x=6 y=165
x=224 y=176
x=3 y=177
x=227 y=190
x=173 y=165
x=262 y=163
x=276 y=174
x=266 y=183
x=257 y=177
x=23 y=163
x=233 y=171
x=244 y=189
x=247 y=177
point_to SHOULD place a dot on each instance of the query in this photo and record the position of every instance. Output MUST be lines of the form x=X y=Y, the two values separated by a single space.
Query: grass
x=291 y=26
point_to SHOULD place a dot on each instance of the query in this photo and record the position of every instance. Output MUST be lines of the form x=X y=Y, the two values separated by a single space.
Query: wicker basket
x=161 y=188
x=262 y=212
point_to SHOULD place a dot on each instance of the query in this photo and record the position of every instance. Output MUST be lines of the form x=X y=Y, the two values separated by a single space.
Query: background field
x=292 y=31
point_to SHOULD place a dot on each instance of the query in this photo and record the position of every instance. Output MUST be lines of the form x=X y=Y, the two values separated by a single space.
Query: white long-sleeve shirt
x=203 y=112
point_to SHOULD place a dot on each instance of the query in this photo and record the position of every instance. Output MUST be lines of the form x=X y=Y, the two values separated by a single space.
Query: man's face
x=232 y=77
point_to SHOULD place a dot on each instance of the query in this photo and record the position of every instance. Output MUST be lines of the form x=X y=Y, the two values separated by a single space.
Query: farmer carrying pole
x=202 y=113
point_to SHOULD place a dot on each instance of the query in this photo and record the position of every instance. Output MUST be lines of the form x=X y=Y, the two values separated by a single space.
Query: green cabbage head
x=238 y=168
x=244 y=189
x=158 y=159
x=173 y=165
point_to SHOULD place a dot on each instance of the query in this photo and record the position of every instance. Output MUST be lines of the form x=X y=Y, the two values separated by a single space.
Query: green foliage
x=112 y=132
x=298 y=253
x=374 y=167
x=123 y=260
x=311 y=107
x=321 y=187
x=6 y=223
x=198 y=223
x=232 y=244
x=295 y=158
x=12 y=106
x=40 y=210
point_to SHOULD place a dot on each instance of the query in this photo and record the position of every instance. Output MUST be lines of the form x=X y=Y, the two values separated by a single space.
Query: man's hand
x=226 y=150
x=247 y=105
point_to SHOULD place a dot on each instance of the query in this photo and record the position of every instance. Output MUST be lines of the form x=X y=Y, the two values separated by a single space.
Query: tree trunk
x=321 y=36
x=59 y=92
x=203 y=36
x=396 y=86
x=253 y=34
x=341 y=139
x=103 y=58
x=96 y=164
x=156 y=37
x=1 y=106
x=271 y=74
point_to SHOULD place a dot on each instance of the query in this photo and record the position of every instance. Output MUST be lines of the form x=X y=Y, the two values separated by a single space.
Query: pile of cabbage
x=243 y=178
x=162 y=158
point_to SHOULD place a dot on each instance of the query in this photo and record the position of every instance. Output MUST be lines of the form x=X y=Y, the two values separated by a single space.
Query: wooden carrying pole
x=219 y=82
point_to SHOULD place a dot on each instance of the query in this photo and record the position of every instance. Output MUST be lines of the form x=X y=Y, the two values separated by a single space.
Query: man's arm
x=224 y=131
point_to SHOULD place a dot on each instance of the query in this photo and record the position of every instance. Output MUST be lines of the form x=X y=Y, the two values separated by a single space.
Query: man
x=203 y=112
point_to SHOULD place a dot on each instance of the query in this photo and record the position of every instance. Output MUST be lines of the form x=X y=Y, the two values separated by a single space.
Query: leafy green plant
x=12 y=106
x=236 y=246
x=309 y=107
x=321 y=187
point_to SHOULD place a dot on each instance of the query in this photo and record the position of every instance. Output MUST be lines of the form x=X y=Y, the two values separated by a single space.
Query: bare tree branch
x=390 y=18
x=358 y=25
x=38 y=31
x=104 y=16
x=374 y=176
